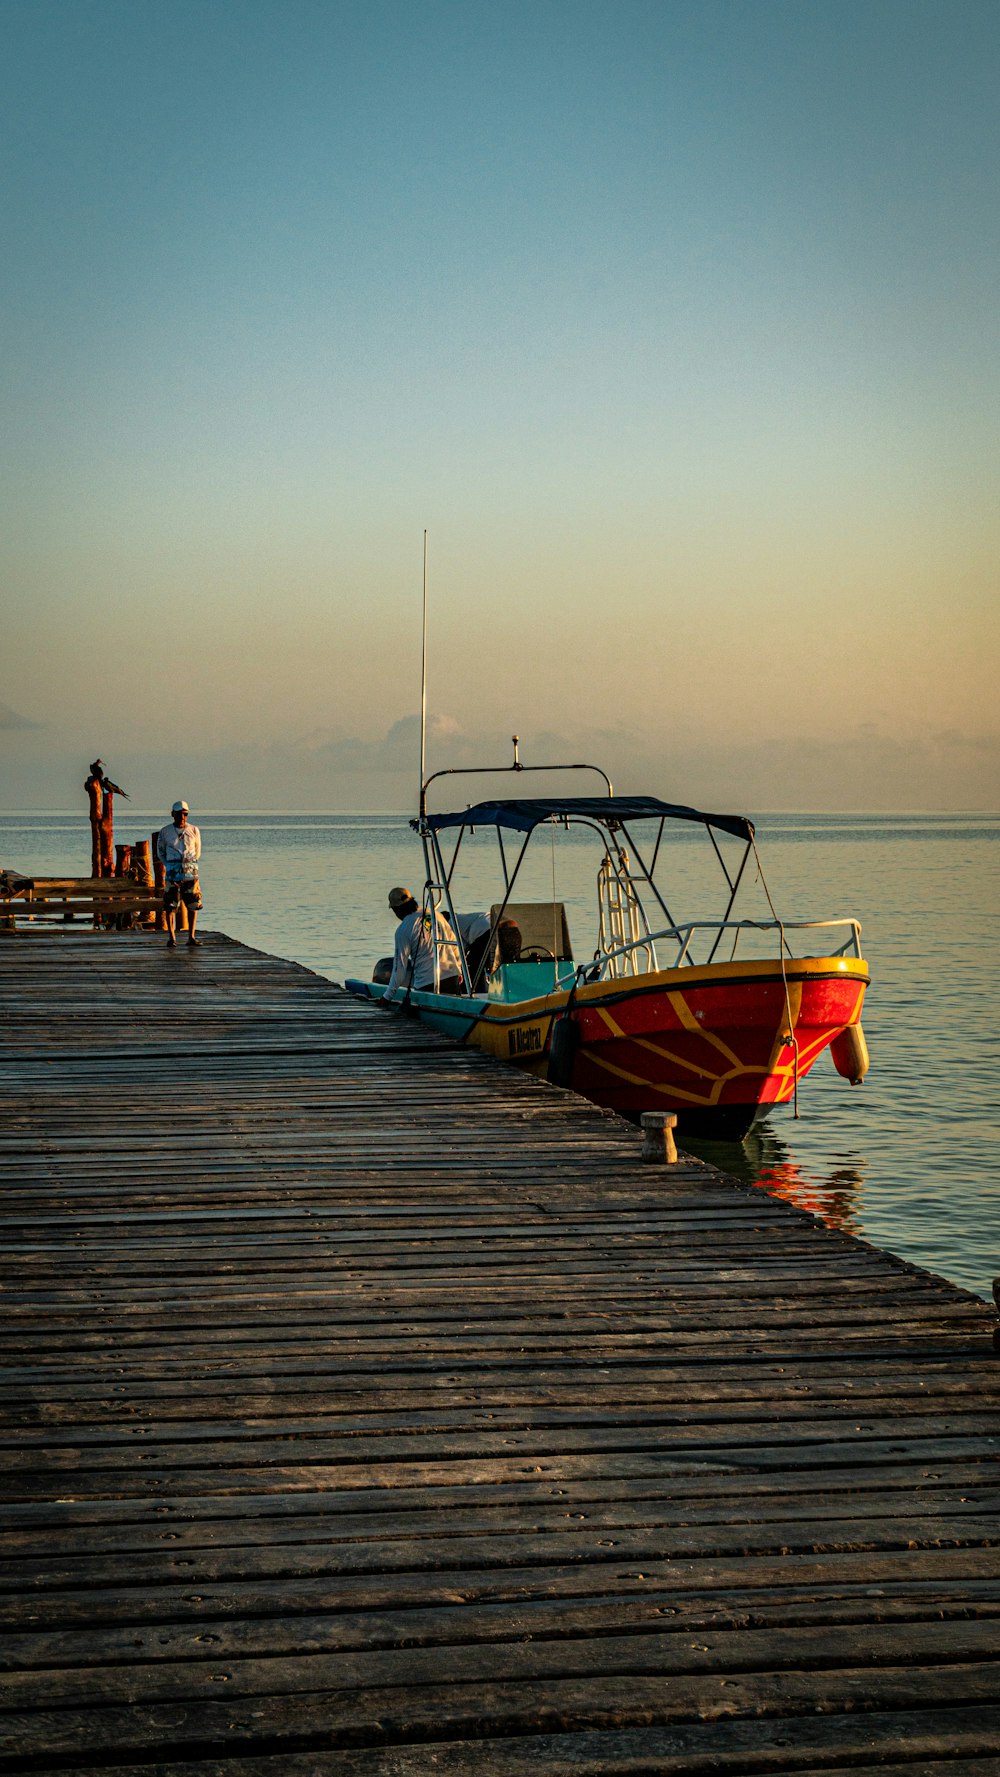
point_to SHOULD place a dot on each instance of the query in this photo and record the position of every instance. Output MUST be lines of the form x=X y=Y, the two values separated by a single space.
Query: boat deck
x=368 y=1407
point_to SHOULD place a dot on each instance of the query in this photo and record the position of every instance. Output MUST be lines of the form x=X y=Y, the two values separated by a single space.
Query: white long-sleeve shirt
x=179 y=848
x=473 y=926
x=415 y=944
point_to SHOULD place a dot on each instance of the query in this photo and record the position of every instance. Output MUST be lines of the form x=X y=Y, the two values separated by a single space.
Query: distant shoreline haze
x=868 y=768
x=127 y=811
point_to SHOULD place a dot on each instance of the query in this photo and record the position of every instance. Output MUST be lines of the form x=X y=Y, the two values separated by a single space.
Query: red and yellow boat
x=645 y=1023
x=718 y=1044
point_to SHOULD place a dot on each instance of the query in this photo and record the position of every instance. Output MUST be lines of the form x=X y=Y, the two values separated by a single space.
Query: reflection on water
x=764 y=1160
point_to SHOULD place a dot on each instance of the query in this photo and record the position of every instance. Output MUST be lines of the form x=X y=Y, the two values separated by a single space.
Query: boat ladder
x=623 y=927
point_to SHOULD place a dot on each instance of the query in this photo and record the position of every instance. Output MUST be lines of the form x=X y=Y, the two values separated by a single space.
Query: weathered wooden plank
x=570 y=1540
x=471 y=1624
x=682 y=1486
x=746 y=1579
x=957 y=1743
x=58 y=1407
x=644 y=1653
x=392 y=1713
x=479 y=1515
x=435 y=1434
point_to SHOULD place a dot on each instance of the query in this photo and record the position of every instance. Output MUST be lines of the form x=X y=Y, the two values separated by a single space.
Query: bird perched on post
x=101 y=776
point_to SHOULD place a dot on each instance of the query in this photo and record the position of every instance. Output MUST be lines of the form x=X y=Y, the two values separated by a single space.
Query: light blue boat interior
x=526 y=981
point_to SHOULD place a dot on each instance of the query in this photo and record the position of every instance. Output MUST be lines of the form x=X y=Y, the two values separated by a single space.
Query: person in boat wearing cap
x=178 y=847
x=413 y=955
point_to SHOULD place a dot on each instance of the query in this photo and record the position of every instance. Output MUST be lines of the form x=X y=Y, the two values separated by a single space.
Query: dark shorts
x=188 y=892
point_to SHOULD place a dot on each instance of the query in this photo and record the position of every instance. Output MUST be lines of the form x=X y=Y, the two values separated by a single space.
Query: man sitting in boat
x=413 y=954
x=474 y=930
x=481 y=954
x=509 y=941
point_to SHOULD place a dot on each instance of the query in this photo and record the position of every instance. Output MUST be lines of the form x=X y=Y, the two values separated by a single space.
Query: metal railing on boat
x=607 y=961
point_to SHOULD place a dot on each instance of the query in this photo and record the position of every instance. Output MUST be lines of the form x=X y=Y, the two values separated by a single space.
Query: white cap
x=179 y=808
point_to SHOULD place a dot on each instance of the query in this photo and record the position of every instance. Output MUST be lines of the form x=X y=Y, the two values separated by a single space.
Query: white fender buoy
x=850 y=1054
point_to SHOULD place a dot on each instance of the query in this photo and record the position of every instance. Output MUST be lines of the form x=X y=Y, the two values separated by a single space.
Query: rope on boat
x=791 y=1038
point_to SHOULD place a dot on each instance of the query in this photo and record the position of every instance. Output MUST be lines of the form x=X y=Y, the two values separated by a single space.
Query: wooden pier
x=371 y=1408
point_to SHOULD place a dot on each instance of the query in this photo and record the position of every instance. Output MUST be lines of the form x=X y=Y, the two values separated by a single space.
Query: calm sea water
x=910 y=1160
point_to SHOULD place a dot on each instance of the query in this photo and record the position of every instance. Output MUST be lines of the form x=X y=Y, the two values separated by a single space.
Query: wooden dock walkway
x=370 y=1408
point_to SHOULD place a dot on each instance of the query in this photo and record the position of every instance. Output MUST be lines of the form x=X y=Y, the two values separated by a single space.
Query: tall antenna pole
x=423 y=686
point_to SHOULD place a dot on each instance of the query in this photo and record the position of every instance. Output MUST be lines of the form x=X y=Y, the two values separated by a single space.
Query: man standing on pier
x=178 y=847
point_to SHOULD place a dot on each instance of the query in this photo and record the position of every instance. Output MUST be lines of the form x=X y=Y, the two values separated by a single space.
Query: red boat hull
x=717 y=1044
x=713 y=1046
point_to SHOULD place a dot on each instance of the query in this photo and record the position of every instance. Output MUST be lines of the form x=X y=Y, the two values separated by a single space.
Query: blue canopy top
x=527 y=812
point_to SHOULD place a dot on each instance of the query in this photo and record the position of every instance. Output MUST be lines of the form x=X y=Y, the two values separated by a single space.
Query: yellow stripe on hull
x=632 y=1012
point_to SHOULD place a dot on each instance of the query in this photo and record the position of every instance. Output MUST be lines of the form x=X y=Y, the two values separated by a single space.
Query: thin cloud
x=11 y=718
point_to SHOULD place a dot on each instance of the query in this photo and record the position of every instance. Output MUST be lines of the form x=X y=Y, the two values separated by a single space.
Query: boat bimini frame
x=627 y=943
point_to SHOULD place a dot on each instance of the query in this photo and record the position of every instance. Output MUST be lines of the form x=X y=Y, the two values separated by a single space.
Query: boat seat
x=542 y=925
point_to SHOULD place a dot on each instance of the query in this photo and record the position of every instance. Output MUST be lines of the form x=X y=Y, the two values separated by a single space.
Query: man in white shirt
x=178 y=847
x=413 y=954
x=474 y=931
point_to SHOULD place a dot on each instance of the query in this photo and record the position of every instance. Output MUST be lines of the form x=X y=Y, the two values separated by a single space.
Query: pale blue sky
x=675 y=323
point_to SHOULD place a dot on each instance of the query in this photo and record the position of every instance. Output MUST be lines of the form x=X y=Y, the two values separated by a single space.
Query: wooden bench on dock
x=103 y=901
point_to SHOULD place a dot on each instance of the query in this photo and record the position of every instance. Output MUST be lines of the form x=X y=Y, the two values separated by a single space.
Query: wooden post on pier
x=96 y=796
x=102 y=821
x=159 y=879
x=142 y=873
x=107 y=834
x=123 y=870
x=658 y=1145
